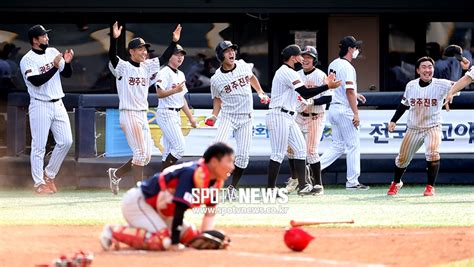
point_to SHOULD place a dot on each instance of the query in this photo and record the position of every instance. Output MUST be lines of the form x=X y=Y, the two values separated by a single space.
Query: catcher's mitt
x=210 y=240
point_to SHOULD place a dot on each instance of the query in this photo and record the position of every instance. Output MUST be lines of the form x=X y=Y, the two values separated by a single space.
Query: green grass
x=452 y=206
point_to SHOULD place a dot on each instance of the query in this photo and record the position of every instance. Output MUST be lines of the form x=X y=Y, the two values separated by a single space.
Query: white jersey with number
x=315 y=76
x=346 y=73
x=167 y=79
x=284 y=83
x=133 y=82
x=425 y=103
x=233 y=88
x=33 y=64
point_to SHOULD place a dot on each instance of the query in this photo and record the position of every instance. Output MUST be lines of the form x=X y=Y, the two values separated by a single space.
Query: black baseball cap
x=453 y=51
x=137 y=42
x=349 y=41
x=179 y=49
x=37 y=30
x=291 y=50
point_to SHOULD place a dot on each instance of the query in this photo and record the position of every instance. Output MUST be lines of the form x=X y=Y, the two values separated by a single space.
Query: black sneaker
x=306 y=190
x=358 y=187
x=318 y=190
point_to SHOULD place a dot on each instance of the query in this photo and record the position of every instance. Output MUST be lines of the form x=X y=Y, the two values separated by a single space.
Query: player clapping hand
x=68 y=55
x=116 y=30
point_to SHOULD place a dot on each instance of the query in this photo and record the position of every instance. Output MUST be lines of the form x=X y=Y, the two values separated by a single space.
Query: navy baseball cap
x=37 y=30
x=291 y=50
x=453 y=51
x=137 y=42
x=349 y=41
x=179 y=49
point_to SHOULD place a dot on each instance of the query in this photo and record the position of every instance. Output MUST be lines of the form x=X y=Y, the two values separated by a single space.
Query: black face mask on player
x=43 y=46
x=298 y=66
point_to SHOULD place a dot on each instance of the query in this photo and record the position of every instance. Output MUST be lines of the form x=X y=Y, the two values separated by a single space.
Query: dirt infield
x=31 y=245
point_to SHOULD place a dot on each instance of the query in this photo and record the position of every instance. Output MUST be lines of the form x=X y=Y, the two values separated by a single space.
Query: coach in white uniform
x=133 y=79
x=41 y=67
x=171 y=89
x=344 y=114
x=231 y=91
x=287 y=86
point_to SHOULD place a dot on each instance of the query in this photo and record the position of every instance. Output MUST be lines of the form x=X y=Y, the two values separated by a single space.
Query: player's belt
x=287 y=111
x=175 y=109
x=304 y=114
x=52 y=100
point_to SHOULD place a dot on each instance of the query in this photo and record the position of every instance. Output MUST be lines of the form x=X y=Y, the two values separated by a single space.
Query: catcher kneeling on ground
x=155 y=210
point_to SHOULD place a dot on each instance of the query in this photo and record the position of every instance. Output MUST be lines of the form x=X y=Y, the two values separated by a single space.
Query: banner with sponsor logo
x=457 y=136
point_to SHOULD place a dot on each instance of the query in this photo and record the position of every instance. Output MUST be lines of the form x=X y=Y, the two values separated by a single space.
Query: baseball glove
x=210 y=240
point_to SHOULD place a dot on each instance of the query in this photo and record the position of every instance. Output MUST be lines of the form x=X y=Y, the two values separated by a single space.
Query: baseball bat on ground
x=294 y=223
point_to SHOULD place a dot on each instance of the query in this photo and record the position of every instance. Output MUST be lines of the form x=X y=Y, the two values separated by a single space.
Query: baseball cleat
x=43 y=189
x=394 y=187
x=306 y=190
x=50 y=183
x=291 y=184
x=358 y=187
x=318 y=190
x=113 y=181
x=106 y=238
x=429 y=191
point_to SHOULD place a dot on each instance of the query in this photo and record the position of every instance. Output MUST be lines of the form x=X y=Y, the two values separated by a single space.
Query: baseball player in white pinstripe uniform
x=311 y=119
x=287 y=86
x=423 y=98
x=133 y=79
x=231 y=90
x=171 y=89
x=344 y=115
x=41 y=68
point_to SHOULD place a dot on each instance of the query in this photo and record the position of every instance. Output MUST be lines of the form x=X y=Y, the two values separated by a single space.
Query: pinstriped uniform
x=282 y=127
x=132 y=86
x=345 y=137
x=170 y=120
x=234 y=89
x=312 y=126
x=45 y=115
x=424 y=120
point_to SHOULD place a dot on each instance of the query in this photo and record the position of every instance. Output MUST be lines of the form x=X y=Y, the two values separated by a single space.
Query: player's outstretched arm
x=458 y=86
x=264 y=99
x=170 y=49
x=398 y=114
x=307 y=93
x=115 y=33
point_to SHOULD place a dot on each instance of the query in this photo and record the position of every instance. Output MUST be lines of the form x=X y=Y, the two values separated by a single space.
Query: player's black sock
x=137 y=172
x=291 y=162
x=300 y=166
x=398 y=174
x=236 y=176
x=316 y=172
x=170 y=160
x=273 y=171
x=432 y=171
x=122 y=170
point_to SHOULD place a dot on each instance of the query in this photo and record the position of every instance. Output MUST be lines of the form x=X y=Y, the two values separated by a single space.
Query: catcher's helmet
x=310 y=50
x=222 y=46
x=297 y=239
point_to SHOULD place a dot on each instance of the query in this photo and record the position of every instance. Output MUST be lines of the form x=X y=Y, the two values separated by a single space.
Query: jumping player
x=344 y=115
x=231 y=90
x=287 y=86
x=133 y=78
x=171 y=89
x=41 y=68
x=423 y=98
x=155 y=210
x=311 y=119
